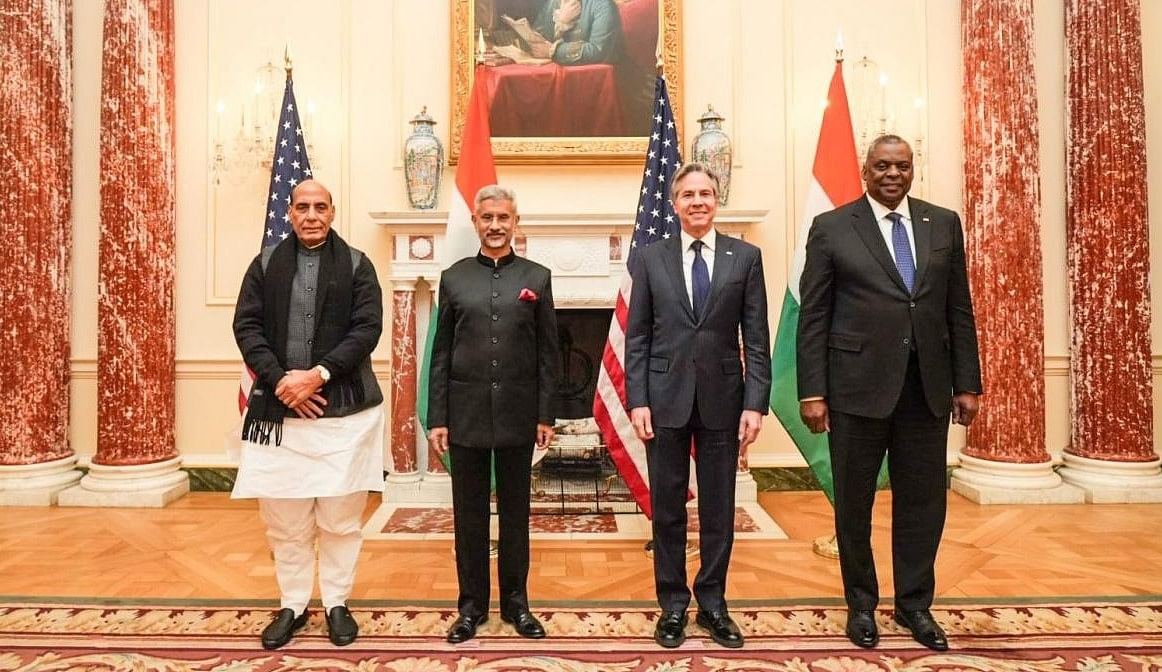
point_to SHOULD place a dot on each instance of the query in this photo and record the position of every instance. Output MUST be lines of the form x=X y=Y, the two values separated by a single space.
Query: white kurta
x=326 y=457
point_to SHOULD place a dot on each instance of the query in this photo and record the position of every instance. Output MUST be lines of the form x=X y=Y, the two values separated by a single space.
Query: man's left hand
x=748 y=429
x=297 y=386
x=964 y=408
x=545 y=435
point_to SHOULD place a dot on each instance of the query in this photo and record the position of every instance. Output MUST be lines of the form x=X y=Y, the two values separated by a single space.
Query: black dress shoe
x=525 y=624
x=721 y=627
x=861 y=628
x=341 y=626
x=282 y=628
x=670 y=631
x=464 y=628
x=924 y=628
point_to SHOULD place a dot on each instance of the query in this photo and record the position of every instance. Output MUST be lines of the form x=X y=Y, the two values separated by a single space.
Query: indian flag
x=475 y=171
x=834 y=181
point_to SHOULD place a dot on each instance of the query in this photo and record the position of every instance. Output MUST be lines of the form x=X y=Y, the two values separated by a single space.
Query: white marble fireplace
x=586 y=253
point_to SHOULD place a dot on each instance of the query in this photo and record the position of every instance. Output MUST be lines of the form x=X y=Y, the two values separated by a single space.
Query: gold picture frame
x=558 y=149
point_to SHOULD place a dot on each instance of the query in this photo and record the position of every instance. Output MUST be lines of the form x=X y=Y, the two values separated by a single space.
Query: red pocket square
x=527 y=294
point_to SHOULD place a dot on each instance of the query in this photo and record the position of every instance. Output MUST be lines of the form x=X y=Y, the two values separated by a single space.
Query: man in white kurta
x=309 y=313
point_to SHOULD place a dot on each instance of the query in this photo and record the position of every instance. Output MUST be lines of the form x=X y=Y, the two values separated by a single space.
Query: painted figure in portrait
x=569 y=68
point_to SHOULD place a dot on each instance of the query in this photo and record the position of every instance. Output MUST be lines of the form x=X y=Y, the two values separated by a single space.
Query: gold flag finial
x=286 y=60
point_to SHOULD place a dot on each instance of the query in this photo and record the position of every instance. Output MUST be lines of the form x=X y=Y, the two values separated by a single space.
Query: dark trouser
x=915 y=442
x=470 y=502
x=716 y=465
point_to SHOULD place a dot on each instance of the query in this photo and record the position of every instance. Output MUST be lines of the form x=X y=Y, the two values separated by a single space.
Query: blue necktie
x=700 y=278
x=904 y=262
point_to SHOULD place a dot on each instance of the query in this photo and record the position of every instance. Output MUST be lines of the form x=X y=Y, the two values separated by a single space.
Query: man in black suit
x=686 y=378
x=886 y=353
x=493 y=375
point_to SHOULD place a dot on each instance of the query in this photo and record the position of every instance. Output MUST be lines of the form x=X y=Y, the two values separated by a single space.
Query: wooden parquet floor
x=208 y=546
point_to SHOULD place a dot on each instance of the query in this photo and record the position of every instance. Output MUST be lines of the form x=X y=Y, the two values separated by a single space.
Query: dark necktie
x=904 y=262
x=700 y=278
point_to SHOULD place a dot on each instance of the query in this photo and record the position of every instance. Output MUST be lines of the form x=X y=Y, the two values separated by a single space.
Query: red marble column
x=135 y=370
x=36 y=154
x=1005 y=460
x=403 y=380
x=1002 y=221
x=135 y=341
x=1108 y=233
x=1108 y=239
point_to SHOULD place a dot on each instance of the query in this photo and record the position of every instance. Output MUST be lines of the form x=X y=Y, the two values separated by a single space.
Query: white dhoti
x=313 y=487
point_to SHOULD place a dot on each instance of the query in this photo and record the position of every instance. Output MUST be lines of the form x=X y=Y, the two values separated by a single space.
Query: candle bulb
x=884 y=99
x=257 y=104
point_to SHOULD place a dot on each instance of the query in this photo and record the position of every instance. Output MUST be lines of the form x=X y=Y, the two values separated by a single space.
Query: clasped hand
x=299 y=391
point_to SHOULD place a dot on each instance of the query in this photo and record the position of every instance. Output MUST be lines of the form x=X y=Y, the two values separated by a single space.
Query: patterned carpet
x=1093 y=636
x=402 y=522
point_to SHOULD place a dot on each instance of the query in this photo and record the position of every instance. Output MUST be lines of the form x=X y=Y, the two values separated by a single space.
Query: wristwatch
x=323 y=373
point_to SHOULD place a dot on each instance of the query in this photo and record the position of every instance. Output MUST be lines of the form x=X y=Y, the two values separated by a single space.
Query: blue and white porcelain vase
x=711 y=148
x=423 y=162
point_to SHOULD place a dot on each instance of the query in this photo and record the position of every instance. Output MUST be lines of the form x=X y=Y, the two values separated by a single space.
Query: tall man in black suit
x=493 y=375
x=886 y=353
x=686 y=377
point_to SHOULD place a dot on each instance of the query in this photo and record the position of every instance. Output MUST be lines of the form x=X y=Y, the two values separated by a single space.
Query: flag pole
x=658 y=66
x=827 y=546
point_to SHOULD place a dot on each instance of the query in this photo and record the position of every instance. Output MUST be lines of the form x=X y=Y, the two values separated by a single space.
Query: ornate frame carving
x=565 y=150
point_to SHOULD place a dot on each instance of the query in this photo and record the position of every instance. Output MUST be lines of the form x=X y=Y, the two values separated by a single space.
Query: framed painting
x=568 y=81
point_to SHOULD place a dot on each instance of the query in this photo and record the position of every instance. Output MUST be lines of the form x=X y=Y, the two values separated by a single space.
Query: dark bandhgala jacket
x=495 y=355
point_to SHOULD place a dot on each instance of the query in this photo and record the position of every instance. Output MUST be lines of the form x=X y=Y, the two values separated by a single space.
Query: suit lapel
x=672 y=260
x=723 y=268
x=864 y=222
x=922 y=232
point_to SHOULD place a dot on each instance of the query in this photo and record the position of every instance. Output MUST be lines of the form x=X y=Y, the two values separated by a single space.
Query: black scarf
x=265 y=412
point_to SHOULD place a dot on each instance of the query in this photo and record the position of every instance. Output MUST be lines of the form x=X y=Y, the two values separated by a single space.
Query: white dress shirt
x=708 y=242
x=881 y=212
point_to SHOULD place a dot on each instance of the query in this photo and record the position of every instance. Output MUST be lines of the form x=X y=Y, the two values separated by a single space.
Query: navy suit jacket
x=671 y=358
x=858 y=324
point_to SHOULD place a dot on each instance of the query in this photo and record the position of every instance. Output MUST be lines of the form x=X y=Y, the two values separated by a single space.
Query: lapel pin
x=729 y=252
x=925 y=219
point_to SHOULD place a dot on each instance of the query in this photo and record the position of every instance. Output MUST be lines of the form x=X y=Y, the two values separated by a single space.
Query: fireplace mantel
x=585 y=251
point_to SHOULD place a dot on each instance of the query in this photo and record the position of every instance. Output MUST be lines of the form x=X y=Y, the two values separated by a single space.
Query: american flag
x=655 y=220
x=288 y=167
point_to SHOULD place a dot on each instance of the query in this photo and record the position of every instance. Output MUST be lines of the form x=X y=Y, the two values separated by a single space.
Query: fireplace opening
x=576 y=474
